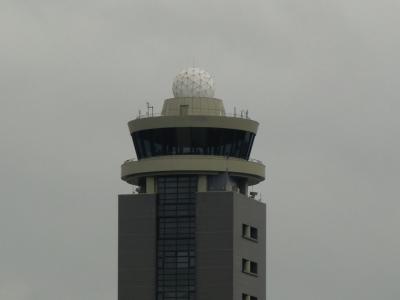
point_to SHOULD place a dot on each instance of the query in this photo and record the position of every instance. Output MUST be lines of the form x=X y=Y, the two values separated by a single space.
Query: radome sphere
x=193 y=82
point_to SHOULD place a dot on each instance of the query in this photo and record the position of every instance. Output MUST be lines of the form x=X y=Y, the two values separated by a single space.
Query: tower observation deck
x=192 y=231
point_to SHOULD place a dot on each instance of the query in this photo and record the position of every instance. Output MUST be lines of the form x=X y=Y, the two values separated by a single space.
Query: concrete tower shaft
x=191 y=230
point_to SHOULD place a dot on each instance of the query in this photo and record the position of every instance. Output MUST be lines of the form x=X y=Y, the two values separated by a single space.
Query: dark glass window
x=253 y=233
x=249 y=267
x=253 y=267
x=249 y=232
x=176 y=260
x=217 y=182
x=193 y=140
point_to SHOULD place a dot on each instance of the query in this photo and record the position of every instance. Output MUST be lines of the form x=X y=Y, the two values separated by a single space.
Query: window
x=248 y=297
x=176 y=244
x=249 y=232
x=249 y=267
x=193 y=141
x=253 y=267
x=245 y=230
x=253 y=233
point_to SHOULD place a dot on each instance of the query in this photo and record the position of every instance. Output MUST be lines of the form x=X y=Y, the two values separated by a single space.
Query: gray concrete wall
x=214 y=239
x=137 y=247
x=252 y=212
x=221 y=247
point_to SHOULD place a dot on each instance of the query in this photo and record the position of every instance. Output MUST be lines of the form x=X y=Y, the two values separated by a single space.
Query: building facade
x=192 y=230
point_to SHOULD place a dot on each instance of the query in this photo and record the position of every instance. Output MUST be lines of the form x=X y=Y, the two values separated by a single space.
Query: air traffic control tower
x=191 y=230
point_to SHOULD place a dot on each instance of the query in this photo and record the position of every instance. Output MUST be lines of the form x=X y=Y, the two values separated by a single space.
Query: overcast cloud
x=322 y=78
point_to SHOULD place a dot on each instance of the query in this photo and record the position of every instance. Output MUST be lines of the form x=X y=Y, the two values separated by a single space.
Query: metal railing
x=256 y=161
x=226 y=157
x=150 y=115
x=242 y=115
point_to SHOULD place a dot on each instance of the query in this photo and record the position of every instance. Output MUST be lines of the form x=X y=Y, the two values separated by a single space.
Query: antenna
x=149 y=108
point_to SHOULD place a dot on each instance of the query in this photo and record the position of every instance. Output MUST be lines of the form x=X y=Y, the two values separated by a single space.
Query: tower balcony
x=252 y=170
x=228 y=121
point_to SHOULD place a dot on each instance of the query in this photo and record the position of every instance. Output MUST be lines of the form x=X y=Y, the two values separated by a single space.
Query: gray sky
x=322 y=78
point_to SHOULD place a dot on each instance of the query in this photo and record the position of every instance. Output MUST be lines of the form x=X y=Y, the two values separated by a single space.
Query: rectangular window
x=249 y=232
x=248 y=297
x=249 y=267
x=253 y=233
x=245 y=265
x=253 y=267
x=245 y=230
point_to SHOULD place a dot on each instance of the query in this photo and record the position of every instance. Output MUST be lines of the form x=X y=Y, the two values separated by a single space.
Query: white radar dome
x=193 y=82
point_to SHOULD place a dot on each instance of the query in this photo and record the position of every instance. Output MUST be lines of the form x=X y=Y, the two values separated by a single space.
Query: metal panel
x=214 y=245
x=136 y=246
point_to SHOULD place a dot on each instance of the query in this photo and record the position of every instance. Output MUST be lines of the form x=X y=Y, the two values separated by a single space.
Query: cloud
x=15 y=290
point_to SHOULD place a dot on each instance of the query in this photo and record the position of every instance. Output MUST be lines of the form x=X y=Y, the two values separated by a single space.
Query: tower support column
x=202 y=185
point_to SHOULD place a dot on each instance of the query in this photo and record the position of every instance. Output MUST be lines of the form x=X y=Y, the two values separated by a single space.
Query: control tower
x=191 y=230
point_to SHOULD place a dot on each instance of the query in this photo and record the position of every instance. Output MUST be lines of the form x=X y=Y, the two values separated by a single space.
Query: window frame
x=248 y=297
x=247 y=232
x=248 y=265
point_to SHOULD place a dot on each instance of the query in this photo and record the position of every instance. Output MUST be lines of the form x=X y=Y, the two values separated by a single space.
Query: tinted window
x=187 y=140
x=176 y=243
